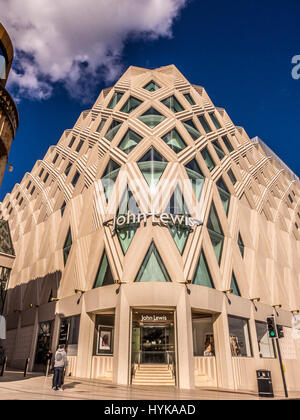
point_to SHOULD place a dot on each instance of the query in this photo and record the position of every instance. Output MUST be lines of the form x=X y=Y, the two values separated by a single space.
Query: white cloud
x=74 y=42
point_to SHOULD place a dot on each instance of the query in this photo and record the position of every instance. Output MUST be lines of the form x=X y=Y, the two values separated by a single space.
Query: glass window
x=215 y=232
x=41 y=172
x=32 y=190
x=126 y=233
x=109 y=177
x=104 y=276
x=55 y=158
x=131 y=104
x=173 y=104
x=215 y=120
x=174 y=140
x=202 y=275
x=101 y=125
x=189 y=98
x=152 y=166
x=152 y=118
x=218 y=149
x=129 y=141
x=113 y=129
x=75 y=178
x=104 y=335
x=46 y=177
x=62 y=209
x=239 y=337
x=28 y=185
x=191 y=128
x=115 y=99
x=227 y=144
x=265 y=343
x=72 y=141
x=203 y=335
x=234 y=286
x=78 y=148
x=152 y=86
x=67 y=246
x=241 y=245
x=204 y=123
x=231 y=176
x=196 y=177
x=68 y=168
x=152 y=269
x=2 y=66
x=4 y=279
x=69 y=334
x=224 y=194
x=208 y=159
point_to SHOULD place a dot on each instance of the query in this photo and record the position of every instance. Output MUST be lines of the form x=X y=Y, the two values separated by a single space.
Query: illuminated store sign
x=156 y=218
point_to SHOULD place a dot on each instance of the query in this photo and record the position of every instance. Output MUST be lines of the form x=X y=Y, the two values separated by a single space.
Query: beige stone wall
x=260 y=210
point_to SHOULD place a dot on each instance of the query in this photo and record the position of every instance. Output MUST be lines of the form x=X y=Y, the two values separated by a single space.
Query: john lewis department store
x=153 y=240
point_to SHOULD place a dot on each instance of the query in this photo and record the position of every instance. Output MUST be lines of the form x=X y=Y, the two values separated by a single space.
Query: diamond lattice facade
x=154 y=239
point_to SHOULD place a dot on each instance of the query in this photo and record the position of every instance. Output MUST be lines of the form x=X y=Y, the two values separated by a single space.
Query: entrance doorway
x=43 y=347
x=153 y=355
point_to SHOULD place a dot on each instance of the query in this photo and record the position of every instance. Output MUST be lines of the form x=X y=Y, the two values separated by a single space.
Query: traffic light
x=272 y=327
x=280 y=331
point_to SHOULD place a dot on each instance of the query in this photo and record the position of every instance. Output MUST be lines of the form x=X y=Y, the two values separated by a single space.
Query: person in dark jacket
x=59 y=363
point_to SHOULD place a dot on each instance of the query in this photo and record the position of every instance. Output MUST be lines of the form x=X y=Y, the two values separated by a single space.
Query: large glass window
x=69 y=334
x=173 y=104
x=241 y=245
x=174 y=140
x=215 y=232
x=218 y=149
x=196 y=177
x=227 y=144
x=224 y=194
x=215 y=120
x=202 y=275
x=203 y=336
x=4 y=279
x=152 y=86
x=152 y=118
x=189 y=98
x=126 y=233
x=67 y=246
x=113 y=129
x=204 y=123
x=109 y=177
x=129 y=141
x=104 y=334
x=265 y=344
x=115 y=99
x=239 y=337
x=104 y=276
x=191 y=128
x=152 y=269
x=208 y=159
x=130 y=105
x=152 y=166
x=2 y=66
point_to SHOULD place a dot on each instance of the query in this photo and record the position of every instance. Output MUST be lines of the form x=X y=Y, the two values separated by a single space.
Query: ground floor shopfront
x=155 y=334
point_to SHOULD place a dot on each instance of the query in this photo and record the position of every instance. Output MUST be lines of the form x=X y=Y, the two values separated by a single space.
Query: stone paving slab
x=13 y=386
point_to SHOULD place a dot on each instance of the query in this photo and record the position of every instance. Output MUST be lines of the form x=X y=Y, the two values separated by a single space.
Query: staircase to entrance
x=153 y=374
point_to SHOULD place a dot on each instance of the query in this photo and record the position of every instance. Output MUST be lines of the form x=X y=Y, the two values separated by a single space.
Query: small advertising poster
x=105 y=340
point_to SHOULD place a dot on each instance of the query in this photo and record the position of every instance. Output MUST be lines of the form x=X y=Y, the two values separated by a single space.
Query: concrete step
x=158 y=383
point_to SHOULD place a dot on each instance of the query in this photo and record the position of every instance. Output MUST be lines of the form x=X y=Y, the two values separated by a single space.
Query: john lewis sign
x=164 y=219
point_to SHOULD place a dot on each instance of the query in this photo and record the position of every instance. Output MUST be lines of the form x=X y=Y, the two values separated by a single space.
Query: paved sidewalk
x=13 y=386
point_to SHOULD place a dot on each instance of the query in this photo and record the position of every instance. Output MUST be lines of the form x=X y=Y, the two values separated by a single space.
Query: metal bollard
x=26 y=367
x=3 y=366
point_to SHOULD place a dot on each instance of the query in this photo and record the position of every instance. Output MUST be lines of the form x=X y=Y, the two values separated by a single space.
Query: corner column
x=85 y=344
x=185 y=368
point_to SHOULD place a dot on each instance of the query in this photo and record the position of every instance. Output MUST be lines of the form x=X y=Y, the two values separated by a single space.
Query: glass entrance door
x=154 y=344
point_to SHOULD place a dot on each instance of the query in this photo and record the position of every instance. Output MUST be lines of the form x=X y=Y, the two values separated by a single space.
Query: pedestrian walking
x=59 y=363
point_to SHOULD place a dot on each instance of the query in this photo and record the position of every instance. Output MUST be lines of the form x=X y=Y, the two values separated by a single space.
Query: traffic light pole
x=281 y=368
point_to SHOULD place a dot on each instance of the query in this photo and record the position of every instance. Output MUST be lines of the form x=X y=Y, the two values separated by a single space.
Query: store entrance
x=153 y=345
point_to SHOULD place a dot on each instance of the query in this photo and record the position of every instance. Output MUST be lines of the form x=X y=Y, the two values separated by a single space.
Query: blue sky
x=241 y=52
